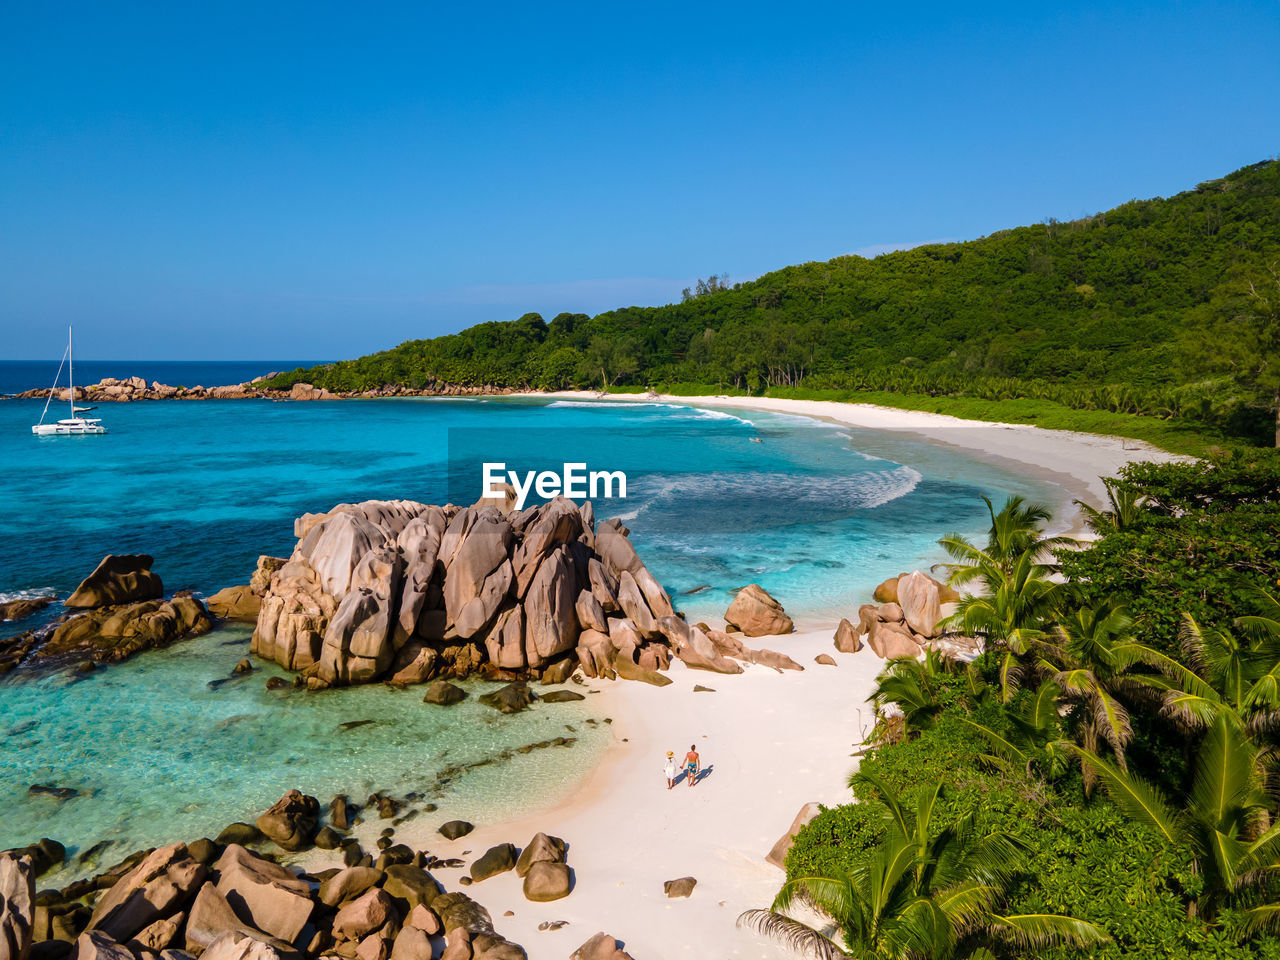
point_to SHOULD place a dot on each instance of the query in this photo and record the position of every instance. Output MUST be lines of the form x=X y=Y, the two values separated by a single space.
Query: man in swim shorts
x=691 y=760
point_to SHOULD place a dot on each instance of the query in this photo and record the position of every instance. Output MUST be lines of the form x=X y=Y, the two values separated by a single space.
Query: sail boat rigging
x=75 y=425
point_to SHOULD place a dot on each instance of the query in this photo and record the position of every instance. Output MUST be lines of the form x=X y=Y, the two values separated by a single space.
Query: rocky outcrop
x=113 y=633
x=113 y=390
x=245 y=602
x=126 y=578
x=887 y=592
x=235 y=603
x=305 y=391
x=17 y=906
x=291 y=822
x=847 y=638
x=905 y=621
x=230 y=903
x=162 y=884
x=778 y=855
x=407 y=592
x=757 y=614
x=919 y=599
x=265 y=895
x=891 y=639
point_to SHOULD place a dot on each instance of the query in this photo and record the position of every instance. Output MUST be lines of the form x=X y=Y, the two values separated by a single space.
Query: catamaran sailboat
x=74 y=425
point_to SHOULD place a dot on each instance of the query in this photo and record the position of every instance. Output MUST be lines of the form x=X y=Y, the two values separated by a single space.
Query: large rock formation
x=408 y=592
x=126 y=578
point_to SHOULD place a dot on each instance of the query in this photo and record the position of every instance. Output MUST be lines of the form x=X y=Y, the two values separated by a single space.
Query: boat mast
x=71 y=374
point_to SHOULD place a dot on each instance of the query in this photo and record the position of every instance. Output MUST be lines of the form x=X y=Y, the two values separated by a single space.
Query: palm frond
x=1028 y=930
x=1261 y=919
x=790 y=933
x=1136 y=798
x=1224 y=774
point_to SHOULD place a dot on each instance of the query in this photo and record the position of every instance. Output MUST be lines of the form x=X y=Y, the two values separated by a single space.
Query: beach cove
x=771 y=740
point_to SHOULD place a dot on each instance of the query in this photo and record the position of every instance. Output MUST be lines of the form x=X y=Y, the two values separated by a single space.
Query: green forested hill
x=1164 y=307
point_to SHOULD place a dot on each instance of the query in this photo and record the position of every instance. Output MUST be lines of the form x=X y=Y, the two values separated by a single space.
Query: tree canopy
x=1163 y=307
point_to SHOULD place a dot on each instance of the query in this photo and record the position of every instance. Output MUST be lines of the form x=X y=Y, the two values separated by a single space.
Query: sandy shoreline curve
x=771 y=741
x=1074 y=461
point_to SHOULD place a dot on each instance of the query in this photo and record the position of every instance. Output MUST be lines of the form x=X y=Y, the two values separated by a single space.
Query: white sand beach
x=771 y=742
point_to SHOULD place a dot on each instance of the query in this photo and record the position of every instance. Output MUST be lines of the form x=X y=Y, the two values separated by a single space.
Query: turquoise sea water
x=816 y=513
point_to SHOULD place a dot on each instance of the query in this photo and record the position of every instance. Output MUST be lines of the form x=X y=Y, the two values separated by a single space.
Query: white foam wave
x=865 y=490
x=605 y=403
x=34 y=593
x=697 y=413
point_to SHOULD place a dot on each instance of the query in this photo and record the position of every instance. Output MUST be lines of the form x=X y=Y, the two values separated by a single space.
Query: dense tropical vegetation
x=1163 y=308
x=1102 y=780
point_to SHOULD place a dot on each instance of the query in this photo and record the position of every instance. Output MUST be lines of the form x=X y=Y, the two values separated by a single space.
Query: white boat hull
x=68 y=428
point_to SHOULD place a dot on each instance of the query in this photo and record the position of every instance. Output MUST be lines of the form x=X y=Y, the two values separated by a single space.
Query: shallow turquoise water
x=816 y=513
x=158 y=754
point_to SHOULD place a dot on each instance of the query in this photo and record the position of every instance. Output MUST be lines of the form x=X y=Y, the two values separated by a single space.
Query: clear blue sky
x=312 y=180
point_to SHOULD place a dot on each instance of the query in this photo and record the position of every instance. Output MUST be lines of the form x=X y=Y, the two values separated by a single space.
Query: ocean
x=19 y=376
x=814 y=512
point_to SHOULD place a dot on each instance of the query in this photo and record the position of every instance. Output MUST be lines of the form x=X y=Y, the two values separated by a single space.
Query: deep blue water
x=816 y=513
x=18 y=376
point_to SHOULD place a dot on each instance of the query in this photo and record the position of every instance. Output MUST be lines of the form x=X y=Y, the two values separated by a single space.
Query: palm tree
x=922 y=894
x=1013 y=615
x=1014 y=531
x=1265 y=625
x=1223 y=673
x=1033 y=740
x=1089 y=654
x=909 y=684
x=1126 y=508
x=1221 y=821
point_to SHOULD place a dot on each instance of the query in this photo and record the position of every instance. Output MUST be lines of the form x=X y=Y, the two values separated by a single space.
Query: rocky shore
x=117 y=611
x=236 y=897
x=113 y=390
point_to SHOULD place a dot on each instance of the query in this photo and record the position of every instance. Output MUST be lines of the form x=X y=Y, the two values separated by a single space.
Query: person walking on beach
x=670 y=769
x=691 y=761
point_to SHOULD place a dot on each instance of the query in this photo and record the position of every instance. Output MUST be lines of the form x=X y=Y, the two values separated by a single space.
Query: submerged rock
x=562 y=696
x=454 y=829
x=512 y=698
x=444 y=693
x=22 y=608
